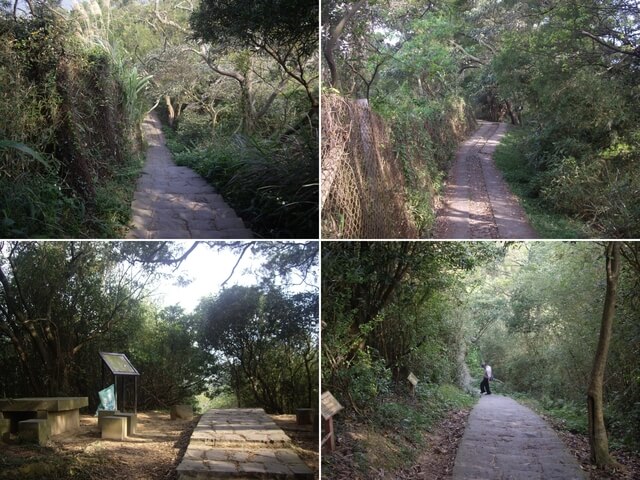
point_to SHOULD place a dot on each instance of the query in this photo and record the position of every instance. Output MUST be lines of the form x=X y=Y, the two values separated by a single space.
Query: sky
x=207 y=269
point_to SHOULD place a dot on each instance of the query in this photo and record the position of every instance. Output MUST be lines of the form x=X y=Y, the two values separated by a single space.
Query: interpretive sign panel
x=118 y=363
x=330 y=406
x=412 y=379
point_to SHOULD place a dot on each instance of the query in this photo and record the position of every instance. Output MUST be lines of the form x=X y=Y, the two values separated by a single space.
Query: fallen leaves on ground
x=579 y=446
x=436 y=462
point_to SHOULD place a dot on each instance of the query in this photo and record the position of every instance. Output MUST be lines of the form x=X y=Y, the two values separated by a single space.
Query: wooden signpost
x=329 y=407
x=413 y=380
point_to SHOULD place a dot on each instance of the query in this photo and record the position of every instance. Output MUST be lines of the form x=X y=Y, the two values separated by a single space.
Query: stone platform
x=240 y=444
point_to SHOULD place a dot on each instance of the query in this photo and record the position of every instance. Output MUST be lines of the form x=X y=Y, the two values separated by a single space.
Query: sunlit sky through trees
x=204 y=271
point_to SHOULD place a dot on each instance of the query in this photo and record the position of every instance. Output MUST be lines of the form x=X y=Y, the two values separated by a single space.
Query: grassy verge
x=566 y=415
x=572 y=417
x=511 y=161
x=392 y=436
x=40 y=206
x=272 y=185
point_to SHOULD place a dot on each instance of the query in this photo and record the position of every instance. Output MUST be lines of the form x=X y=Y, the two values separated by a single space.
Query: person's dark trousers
x=484 y=386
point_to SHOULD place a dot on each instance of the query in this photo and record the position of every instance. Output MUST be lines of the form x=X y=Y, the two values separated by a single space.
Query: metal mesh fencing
x=363 y=186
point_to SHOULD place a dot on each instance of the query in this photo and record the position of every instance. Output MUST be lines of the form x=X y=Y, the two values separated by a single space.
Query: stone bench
x=61 y=413
x=132 y=421
x=114 y=428
x=35 y=430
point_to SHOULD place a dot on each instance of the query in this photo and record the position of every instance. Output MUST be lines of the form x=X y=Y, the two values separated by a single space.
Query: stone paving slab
x=175 y=202
x=505 y=440
x=241 y=444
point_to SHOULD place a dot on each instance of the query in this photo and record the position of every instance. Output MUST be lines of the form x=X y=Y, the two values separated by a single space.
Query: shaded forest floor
x=152 y=454
x=365 y=451
x=578 y=444
x=435 y=458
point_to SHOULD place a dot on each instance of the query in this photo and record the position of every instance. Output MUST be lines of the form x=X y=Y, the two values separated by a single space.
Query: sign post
x=330 y=406
x=413 y=381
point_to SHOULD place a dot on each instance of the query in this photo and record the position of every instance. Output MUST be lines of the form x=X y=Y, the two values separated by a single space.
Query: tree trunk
x=515 y=117
x=335 y=33
x=171 y=112
x=597 y=432
x=248 y=108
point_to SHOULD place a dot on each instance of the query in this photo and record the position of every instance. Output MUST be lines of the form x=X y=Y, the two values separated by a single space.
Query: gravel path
x=505 y=441
x=175 y=202
x=478 y=203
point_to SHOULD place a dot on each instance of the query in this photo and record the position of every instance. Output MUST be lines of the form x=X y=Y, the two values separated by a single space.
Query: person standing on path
x=488 y=375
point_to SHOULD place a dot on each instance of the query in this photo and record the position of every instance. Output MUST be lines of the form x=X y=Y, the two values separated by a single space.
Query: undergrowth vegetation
x=510 y=158
x=271 y=183
x=393 y=436
x=67 y=129
x=425 y=135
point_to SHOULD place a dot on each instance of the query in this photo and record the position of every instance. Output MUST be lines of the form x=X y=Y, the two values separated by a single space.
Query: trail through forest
x=478 y=202
x=175 y=202
x=504 y=439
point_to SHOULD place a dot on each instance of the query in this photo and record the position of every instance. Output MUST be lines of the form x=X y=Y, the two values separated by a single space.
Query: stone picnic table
x=61 y=413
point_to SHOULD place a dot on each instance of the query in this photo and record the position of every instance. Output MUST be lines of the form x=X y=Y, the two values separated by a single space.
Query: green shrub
x=273 y=185
x=71 y=111
x=365 y=380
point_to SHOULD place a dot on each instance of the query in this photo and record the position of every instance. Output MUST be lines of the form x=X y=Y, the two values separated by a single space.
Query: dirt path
x=151 y=454
x=478 y=203
x=505 y=440
x=175 y=202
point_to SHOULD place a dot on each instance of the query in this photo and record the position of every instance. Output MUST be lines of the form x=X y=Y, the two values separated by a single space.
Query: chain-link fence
x=363 y=194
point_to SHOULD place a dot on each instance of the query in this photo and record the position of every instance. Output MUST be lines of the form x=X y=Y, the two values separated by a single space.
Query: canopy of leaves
x=267 y=340
x=255 y=22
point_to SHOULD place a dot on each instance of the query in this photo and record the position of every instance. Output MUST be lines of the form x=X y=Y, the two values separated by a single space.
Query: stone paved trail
x=240 y=443
x=478 y=202
x=175 y=202
x=505 y=441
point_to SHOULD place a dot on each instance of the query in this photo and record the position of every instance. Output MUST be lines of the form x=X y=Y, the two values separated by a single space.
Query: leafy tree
x=173 y=368
x=286 y=30
x=267 y=340
x=58 y=298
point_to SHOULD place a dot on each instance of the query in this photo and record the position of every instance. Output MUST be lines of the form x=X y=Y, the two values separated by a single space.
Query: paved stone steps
x=240 y=444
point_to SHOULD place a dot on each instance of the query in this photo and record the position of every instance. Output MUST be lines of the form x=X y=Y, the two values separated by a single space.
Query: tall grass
x=67 y=114
x=273 y=185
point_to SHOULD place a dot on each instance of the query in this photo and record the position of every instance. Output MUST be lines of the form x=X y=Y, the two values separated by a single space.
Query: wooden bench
x=330 y=407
